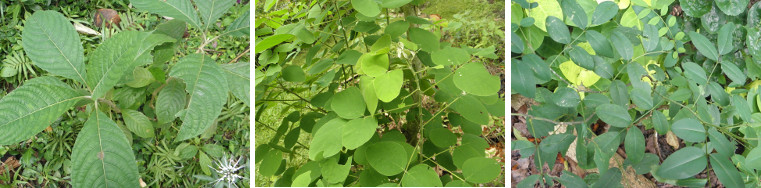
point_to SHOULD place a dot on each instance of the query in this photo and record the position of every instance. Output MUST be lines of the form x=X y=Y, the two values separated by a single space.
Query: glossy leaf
x=695 y=8
x=732 y=7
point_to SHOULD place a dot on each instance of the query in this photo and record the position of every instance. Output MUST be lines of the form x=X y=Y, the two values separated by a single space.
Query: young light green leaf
x=614 y=115
x=171 y=99
x=604 y=12
x=270 y=164
x=348 y=104
x=726 y=38
x=544 y=9
x=421 y=175
x=394 y=3
x=367 y=8
x=271 y=41
x=327 y=139
x=480 y=170
x=333 y=172
x=178 y=9
x=704 y=46
x=374 y=65
x=694 y=72
x=53 y=45
x=557 y=30
x=450 y=56
x=428 y=41
x=102 y=156
x=293 y=73
x=368 y=93
x=141 y=77
x=211 y=10
x=388 y=85
x=683 y=163
x=28 y=109
x=689 y=129
x=388 y=157
x=634 y=144
x=397 y=28
x=473 y=78
x=358 y=131
x=208 y=93
x=138 y=123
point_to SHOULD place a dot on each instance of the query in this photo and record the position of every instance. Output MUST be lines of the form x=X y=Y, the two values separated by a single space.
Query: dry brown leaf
x=672 y=140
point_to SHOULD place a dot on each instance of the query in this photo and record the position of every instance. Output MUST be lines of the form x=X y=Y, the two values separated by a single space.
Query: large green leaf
x=327 y=139
x=720 y=143
x=574 y=12
x=604 y=12
x=171 y=99
x=394 y=3
x=123 y=51
x=473 y=78
x=480 y=170
x=472 y=109
x=421 y=175
x=450 y=56
x=734 y=73
x=211 y=10
x=753 y=159
x=695 y=73
x=732 y=7
x=138 y=123
x=367 y=8
x=544 y=9
x=348 y=104
x=178 y=9
x=557 y=30
x=521 y=78
x=271 y=41
x=368 y=93
x=373 y=64
x=388 y=157
x=240 y=27
x=614 y=115
x=726 y=171
x=726 y=37
x=660 y=123
x=53 y=45
x=428 y=41
x=388 y=85
x=704 y=46
x=634 y=144
x=358 y=131
x=102 y=156
x=38 y=103
x=332 y=171
x=689 y=129
x=695 y=8
x=683 y=163
x=208 y=93
x=623 y=46
x=238 y=79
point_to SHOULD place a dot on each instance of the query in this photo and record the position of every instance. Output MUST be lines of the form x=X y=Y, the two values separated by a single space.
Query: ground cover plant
x=638 y=93
x=374 y=93
x=146 y=101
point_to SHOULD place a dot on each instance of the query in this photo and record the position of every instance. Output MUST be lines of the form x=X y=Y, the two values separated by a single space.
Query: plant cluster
x=680 y=70
x=392 y=105
x=136 y=106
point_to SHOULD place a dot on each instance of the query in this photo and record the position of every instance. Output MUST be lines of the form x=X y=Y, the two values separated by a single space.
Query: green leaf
x=473 y=78
x=358 y=131
x=573 y=11
x=123 y=51
x=604 y=12
x=102 y=156
x=721 y=144
x=333 y=172
x=689 y=129
x=293 y=73
x=428 y=41
x=726 y=171
x=614 y=115
x=753 y=159
x=53 y=45
x=472 y=109
x=581 y=57
x=568 y=179
x=187 y=151
x=348 y=104
x=545 y=9
x=641 y=97
x=237 y=75
x=421 y=175
x=464 y=152
x=269 y=166
x=726 y=38
x=743 y=109
x=292 y=137
x=368 y=93
x=734 y=73
x=480 y=170
x=557 y=30
x=327 y=139
x=458 y=183
x=442 y=137
x=732 y=7
x=753 y=40
x=623 y=46
x=397 y=28
x=394 y=3
x=529 y=181
x=634 y=145
x=695 y=73
x=178 y=9
x=271 y=41
x=388 y=85
x=28 y=109
x=695 y=8
x=367 y=8
x=566 y=97
x=138 y=123
x=240 y=27
x=450 y=56
x=141 y=77
x=208 y=93
x=660 y=123
x=600 y=43
x=371 y=178
x=388 y=158
x=683 y=163
x=521 y=79
x=609 y=178
x=171 y=99
x=211 y=10
x=374 y=64
x=704 y=46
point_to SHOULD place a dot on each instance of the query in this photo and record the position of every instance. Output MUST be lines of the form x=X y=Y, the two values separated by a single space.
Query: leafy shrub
x=675 y=69
x=112 y=87
x=391 y=105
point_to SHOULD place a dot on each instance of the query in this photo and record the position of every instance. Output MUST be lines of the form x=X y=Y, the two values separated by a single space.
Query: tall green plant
x=102 y=155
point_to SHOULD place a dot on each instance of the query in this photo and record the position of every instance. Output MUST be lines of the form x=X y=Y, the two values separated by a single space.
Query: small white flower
x=226 y=168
